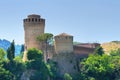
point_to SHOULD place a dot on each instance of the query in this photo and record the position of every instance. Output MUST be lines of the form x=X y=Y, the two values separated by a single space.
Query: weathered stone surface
x=63 y=43
x=26 y=75
x=33 y=26
x=66 y=63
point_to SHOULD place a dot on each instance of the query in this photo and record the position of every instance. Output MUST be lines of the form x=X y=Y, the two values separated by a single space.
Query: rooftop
x=64 y=34
x=88 y=45
x=33 y=16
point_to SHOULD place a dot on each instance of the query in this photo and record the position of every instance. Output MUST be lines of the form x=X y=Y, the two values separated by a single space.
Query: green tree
x=99 y=51
x=115 y=55
x=98 y=67
x=22 y=51
x=45 y=39
x=115 y=52
x=16 y=67
x=2 y=54
x=36 y=63
x=22 y=48
x=67 y=76
x=116 y=62
x=34 y=54
x=5 y=74
x=11 y=51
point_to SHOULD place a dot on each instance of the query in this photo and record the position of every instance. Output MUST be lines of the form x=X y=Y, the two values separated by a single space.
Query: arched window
x=35 y=20
x=29 y=20
x=32 y=19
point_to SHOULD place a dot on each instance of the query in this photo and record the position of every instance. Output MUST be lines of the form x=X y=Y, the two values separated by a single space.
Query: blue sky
x=86 y=20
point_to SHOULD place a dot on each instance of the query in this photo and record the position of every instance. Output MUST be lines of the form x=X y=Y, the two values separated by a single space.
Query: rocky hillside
x=113 y=45
x=5 y=44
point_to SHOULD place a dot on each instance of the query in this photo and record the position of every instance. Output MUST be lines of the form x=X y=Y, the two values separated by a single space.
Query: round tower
x=33 y=26
x=63 y=43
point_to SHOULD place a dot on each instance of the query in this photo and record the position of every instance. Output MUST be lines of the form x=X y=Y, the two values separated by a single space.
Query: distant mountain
x=5 y=44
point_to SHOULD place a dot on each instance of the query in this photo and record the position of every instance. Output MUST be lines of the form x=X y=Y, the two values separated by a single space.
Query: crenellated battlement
x=64 y=37
x=34 y=19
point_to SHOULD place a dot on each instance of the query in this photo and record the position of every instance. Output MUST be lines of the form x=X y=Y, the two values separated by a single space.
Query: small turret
x=63 y=43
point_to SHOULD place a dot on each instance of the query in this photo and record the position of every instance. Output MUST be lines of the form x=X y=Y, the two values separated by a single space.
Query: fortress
x=63 y=50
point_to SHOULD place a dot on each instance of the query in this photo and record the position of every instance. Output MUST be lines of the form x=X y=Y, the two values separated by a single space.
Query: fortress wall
x=66 y=63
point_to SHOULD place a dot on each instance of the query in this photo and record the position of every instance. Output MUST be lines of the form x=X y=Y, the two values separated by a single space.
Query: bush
x=34 y=54
x=15 y=67
x=6 y=75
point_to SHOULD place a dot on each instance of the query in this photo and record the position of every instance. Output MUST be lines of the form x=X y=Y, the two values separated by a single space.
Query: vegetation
x=101 y=67
x=2 y=54
x=36 y=63
x=98 y=66
x=11 y=51
x=22 y=51
x=5 y=74
x=34 y=54
x=67 y=76
x=99 y=51
x=45 y=39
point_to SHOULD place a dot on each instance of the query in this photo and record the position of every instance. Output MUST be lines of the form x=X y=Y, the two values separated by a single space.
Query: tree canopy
x=45 y=39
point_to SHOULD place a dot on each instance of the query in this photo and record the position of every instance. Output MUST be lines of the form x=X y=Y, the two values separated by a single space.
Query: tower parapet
x=34 y=19
x=63 y=43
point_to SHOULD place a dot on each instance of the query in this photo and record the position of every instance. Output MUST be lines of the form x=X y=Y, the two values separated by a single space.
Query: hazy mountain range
x=5 y=44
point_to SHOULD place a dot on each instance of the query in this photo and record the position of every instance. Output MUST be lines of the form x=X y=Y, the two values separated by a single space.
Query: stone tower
x=33 y=26
x=63 y=43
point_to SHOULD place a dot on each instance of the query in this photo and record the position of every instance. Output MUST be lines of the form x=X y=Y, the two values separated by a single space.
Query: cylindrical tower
x=33 y=26
x=63 y=43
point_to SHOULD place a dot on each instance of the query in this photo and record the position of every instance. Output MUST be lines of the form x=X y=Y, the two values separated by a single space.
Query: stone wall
x=66 y=63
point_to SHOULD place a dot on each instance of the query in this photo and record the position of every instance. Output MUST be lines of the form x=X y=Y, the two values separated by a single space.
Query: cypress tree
x=11 y=51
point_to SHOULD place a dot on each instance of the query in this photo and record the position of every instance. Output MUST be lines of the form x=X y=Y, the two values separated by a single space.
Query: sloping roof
x=34 y=16
x=88 y=45
x=63 y=34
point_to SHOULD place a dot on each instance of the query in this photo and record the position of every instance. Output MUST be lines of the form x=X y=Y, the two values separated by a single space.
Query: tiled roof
x=88 y=45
